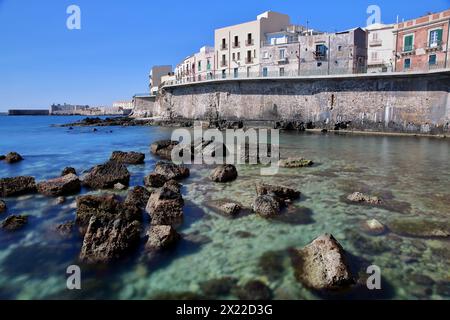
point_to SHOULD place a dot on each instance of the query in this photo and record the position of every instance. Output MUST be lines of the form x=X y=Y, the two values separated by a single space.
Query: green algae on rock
x=420 y=228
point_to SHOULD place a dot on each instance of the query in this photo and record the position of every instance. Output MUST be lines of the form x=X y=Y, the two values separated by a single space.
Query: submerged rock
x=13 y=157
x=14 y=223
x=163 y=148
x=68 y=170
x=161 y=237
x=322 y=265
x=165 y=206
x=281 y=192
x=109 y=238
x=138 y=197
x=364 y=198
x=155 y=180
x=171 y=171
x=216 y=288
x=17 y=186
x=128 y=157
x=66 y=229
x=60 y=200
x=105 y=176
x=266 y=206
x=62 y=186
x=224 y=173
x=298 y=162
x=254 y=290
x=2 y=206
x=420 y=228
x=374 y=227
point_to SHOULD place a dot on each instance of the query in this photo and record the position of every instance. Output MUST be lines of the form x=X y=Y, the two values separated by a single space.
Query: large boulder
x=128 y=157
x=297 y=162
x=2 y=157
x=104 y=206
x=13 y=157
x=109 y=238
x=266 y=206
x=224 y=173
x=322 y=265
x=165 y=206
x=105 y=176
x=163 y=148
x=228 y=208
x=14 y=223
x=171 y=171
x=137 y=197
x=2 y=206
x=359 y=197
x=161 y=237
x=155 y=180
x=68 y=170
x=17 y=186
x=281 y=192
x=62 y=186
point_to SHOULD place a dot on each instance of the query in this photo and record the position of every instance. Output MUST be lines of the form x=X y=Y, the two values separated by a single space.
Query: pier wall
x=415 y=103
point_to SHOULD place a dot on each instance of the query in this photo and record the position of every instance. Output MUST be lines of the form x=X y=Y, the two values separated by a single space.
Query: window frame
x=412 y=35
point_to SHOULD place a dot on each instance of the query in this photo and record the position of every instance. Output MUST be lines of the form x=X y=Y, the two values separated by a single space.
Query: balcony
x=236 y=45
x=320 y=56
x=223 y=63
x=408 y=50
x=433 y=46
x=248 y=60
x=375 y=43
x=283 y=61
x=249 y=42
x=223 y=46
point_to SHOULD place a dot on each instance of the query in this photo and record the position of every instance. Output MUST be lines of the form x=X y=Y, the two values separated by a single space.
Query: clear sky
x=42 y=62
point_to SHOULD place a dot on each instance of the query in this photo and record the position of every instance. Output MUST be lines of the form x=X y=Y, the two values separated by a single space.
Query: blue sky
x=42 y=62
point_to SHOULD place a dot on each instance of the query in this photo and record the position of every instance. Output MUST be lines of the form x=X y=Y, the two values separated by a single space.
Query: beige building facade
x=380 y=48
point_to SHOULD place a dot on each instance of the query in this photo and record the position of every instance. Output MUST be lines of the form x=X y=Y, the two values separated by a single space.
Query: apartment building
x=155 y=76
x=125 y=104
x=197 y=67
x=314 y=53
x=237 y=47
x=380 y=48
x=422 y=43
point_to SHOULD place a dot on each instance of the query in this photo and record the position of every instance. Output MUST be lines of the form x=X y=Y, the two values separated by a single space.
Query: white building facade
x=380 y=48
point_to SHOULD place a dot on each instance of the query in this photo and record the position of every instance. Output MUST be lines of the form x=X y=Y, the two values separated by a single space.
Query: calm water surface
x=412 y=173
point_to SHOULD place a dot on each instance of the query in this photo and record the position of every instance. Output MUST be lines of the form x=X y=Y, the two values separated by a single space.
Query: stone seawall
x=414 y=103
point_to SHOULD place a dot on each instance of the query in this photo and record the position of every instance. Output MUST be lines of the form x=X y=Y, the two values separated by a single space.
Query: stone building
x=422 y=43
x=380 y=48
x=155 y=76
x=197 y=67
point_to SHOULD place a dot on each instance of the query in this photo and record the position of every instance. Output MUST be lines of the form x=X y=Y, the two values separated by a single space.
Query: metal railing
x=436 y=45
x=223 y=63
x=408 y=49
x=236 y=45
x=249 y=42
x=249 y=60
x=375 y=42
x=223 y=46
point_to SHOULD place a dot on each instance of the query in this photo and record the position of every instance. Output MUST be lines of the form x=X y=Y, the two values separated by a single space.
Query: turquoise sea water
x=412 y=173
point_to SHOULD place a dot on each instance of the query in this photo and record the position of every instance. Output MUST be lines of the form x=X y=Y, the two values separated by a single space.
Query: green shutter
x=408 y=41
x=439 y=35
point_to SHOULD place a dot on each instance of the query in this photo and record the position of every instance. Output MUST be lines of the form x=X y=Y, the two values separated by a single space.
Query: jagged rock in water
x=364 y=198
x=13 y=157
x=128 y=157
x=62 y=186
x=66 y=229
x=109 y=238
x=298 y=162
x=224 y=173
x=119 y=187
x=14 y=223
x=165 y=206
x=2 y=206
x=105 y=176
x=17 y=186
x=163 y=148
x=266 y=206
x=322 y=265
x=68 y=170
x=138 y=197
x=161 y=237
x=171 y=171
x=155 y=180
x=229 y=208
x=281 y=192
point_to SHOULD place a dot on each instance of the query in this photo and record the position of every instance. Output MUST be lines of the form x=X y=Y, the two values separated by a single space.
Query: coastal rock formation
x=68 y=170
x=161 y=237
x=2 y=157
x=154 y=180
x=281 y=192
x=2 y=206
x=422 y=228
x=322 y=265
x=65 y=229
x=60 y=200
x=105 y=176
x=137 y=197
x=100 y=206
x=224 y=173
x=374 y=227
x=230 y=208
x=119 y=187
x=17 y=186
x=171 y=171
x=14 y=223
x=364 y=198
x=13 y=157
x=62 y=186
x=266 y=206
x=163 y=148
x=109 y=238
x=128 y=157
x=298 y=162
x=165 y=206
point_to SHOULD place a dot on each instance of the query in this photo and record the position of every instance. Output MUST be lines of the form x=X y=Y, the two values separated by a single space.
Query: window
x=199 y=78
x=238 y=56
x=234 y=56
x=407 y=64
x=208 y=64
x=224 y=74
x=339 y=48
x=265 y=72
x=319 y=64
x=265 y=55
x=321 y=51
x=249 y=39
x=375 y=36
x=236 y=72
x=224 y=44
x=249 y=56
x=282 y=54
x=236 y=41
x=224 y=60
x=199 y=66
x=248 y=72
x=435 y=37
x=408 y=43
x=432 y=60
x=374 y=56
x=281 y=72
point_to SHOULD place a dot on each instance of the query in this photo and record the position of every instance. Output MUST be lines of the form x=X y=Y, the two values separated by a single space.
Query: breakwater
x=397 y=102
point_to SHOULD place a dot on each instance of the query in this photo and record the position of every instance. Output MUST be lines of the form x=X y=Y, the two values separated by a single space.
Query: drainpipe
x=329 y=53
x=299 y=56
x=448 y=39
x=395 y=55
x=229 y=53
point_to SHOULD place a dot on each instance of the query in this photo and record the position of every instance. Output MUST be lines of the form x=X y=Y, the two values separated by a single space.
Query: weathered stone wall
x=143 y=107
x=417 y=103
